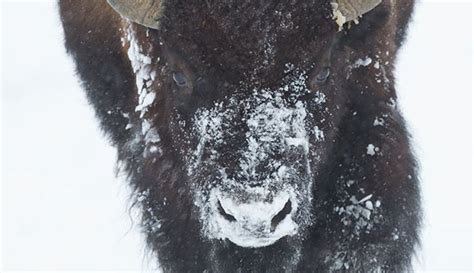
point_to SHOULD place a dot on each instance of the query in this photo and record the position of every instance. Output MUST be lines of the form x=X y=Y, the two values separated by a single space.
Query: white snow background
x=63 y=208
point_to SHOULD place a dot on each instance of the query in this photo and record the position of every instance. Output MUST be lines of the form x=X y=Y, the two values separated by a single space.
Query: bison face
x=248 y=115
x=251 y=143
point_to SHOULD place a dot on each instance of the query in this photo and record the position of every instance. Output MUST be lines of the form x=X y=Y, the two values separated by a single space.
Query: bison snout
x=257 y=223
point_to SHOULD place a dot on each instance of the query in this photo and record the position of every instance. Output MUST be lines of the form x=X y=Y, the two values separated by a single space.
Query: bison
x=257 y=136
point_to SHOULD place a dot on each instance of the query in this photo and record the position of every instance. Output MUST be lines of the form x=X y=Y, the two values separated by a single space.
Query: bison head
x=237 y=108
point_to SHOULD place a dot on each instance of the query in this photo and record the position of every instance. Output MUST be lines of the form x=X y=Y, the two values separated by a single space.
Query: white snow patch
x=377 y=65
x=153 y=149
x=365 y=199
x=362 y=62
x=359 y=213
x=318 y=133
x=145 y=100
x=273 y=125
x=144 y=78
x=350 y=183
x=369 y=205
x=392 y=103
x=144 y=74
x=372 y=149
x=379 y=121
x=152 y=136
x=319 y=98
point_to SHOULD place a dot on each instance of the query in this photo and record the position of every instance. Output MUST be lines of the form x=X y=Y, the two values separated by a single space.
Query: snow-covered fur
x=249 y=103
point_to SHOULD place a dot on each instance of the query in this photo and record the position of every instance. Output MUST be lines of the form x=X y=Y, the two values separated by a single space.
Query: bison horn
x=143 y=12
x=350 y=10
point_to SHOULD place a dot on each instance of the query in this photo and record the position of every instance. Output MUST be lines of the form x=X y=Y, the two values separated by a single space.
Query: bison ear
x=143 y=12
x=350 y=10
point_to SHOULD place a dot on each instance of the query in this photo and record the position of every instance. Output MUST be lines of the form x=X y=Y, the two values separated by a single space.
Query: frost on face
x=152 y=221
x=379 y=121
x=361 y=214
x=377 y=66
x=207 y=127
x=358 y=213
x=318 y=133
x=273 y=125
x=272 y=122
x=362 y=62
x=381 y=72
x=145 y=75
x=372 y=150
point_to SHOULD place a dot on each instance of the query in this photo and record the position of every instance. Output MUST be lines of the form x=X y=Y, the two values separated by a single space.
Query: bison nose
x=258 y=223
x=275 y=220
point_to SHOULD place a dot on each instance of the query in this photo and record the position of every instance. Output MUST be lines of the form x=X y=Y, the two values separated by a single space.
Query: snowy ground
x=63 y=208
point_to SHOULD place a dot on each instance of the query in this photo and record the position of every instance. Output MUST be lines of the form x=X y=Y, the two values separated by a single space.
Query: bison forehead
x=216 y=34
x=259 y=16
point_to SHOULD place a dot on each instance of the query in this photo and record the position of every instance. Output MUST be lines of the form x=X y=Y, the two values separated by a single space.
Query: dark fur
x=228 y=45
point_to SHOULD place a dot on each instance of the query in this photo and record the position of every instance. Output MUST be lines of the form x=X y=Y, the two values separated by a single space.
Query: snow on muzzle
x=249 y=165
x=256 y=223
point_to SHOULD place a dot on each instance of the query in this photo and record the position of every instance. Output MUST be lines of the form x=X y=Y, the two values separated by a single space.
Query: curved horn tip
x=143 y=12
x=350 y=10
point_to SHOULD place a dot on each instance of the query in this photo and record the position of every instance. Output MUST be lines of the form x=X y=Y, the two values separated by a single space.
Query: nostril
x=281 y=215
x=255 y=184
x=227 y=216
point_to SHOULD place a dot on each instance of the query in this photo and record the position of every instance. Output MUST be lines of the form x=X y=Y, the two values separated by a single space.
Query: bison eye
x=323 y=75
x=180 y=79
